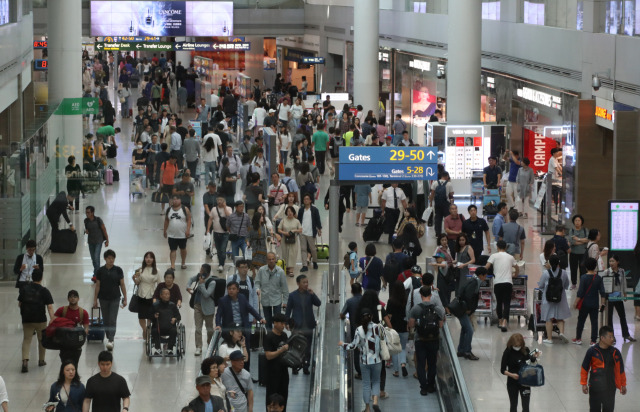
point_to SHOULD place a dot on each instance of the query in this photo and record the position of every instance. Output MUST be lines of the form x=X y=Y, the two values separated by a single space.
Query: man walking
x=177 y=226
x=246 y=284
x=351 y=308
x=106 y=389
x=392 y=198
x=96 y=235
x=109 y=284
x=512 y=187
x=238 y=382
x=300 y=311
x=238 y=227
x=605 y=364
x=474 y=227
x=453 y=228
x=441 y=197
x=168 y=174
x=513 y=234
x=499 y=220
x=309 y=218
x=35 y=301
x=26 y=263
x=468 y=296
x=320 y=139
x=191 y=149
x=206 y=401
x=277 y=373
x=79 y=317
x=204 y=307
x=272 y=289
x=427 y=319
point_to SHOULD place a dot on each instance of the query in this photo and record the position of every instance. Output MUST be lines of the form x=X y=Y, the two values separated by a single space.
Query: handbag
x=580 y=301
x=206 y=245
x=134 y=304
x=384 y=350
x=290 y=239
x=223 y=220
x=160 y=197
x=457 y=307
x=235 y=236
x=531 y=375
x=427 y=216
x=248 y=253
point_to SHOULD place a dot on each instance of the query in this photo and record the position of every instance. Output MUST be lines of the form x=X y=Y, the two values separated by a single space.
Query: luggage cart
x=538 y=324
x=490 y=197
x=487 y=300
x=137 y=181
x=519 y=306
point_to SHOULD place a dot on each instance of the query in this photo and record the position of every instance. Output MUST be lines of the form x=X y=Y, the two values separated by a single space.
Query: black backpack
x=30 y=300
x=555 y=288
x=441 y=195
x=392 y=269
x=428 y=324
x=294 y=357
x=221 y=288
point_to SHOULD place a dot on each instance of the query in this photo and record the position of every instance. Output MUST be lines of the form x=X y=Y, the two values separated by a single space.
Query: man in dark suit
x=300 y=314
x=225 y=313
x=58 y=208
x=25 y=263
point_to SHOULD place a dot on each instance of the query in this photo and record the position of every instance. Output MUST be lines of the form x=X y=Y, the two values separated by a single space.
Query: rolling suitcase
x=262 y=369
x=64 y=241
x=108 y=177
x=322 y=250
x=112 y=151
x=374 y=229
x=96 y=326
x=116 y=175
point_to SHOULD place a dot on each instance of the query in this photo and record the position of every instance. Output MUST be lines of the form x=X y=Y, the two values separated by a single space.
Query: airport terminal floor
x=135 y=227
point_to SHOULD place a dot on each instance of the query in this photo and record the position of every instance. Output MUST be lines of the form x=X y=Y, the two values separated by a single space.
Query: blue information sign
x=313 y=60
x=385 y=171
x=388 y=163
x=393 y=155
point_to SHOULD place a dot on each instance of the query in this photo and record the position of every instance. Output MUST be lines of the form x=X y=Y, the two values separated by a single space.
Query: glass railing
x=318 y=350
x=452 y=388
x=346 y=361
x=212 y=349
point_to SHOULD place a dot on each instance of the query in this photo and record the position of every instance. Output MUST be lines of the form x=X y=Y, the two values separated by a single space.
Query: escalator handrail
x=317 y=349
x=457 y=371
x=212 y=349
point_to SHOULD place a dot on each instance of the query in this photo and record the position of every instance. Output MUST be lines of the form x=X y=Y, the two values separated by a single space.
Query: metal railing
x=212 y=349
x=346 y=361
x=318 y=350
x=452 y=388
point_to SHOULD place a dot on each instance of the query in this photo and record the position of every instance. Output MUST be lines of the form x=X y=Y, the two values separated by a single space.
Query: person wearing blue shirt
x=499 y=220
x=68 y=391
x=512 y=187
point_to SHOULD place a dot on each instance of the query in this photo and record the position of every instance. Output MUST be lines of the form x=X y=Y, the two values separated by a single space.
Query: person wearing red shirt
x=80 y=317
x=453 y=227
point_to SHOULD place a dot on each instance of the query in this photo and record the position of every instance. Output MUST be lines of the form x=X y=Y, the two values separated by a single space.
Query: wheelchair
x=178 y=348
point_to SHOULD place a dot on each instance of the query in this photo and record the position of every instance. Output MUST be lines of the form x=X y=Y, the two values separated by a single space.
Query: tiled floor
x=166 y=385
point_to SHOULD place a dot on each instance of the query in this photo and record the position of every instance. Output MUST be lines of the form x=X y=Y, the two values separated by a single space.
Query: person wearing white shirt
x=284 y=112
x=503 y=263
x=296 y=113
x=211 y=148
x=277 y=194
x=392 y=199
x=284 y=144
x=4 y=396
x=215 y=99
x=259 y=114
x=251 y=105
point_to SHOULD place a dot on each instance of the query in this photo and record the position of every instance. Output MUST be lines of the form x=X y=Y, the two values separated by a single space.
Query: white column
x=65 y=64
x=365 y=53
x=254 y=59
x=463 y=67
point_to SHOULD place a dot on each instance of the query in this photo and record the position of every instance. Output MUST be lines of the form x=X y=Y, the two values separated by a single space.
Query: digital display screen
x=162 y=18
x=623 y=217
x=40 y=65
x=41 y=44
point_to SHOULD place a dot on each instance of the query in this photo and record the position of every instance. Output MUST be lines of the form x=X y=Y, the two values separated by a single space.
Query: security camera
x=595 y=83
x=440 y=74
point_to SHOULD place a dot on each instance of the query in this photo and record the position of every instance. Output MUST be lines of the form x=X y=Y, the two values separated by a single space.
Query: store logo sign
x=603 y=113
x=420 y=65
x=541 y=98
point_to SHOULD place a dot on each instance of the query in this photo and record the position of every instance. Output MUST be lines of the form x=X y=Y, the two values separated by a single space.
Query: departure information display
x=623 y=218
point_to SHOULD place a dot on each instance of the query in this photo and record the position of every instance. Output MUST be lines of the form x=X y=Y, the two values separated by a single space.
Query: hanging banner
x=537 y=148
x=78 y=105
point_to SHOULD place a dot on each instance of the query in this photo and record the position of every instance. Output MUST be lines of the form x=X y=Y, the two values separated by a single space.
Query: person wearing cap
x=239 y=384
x=238 y=227
x=277 y=373
x=205 y=401
x=79 y=317
x=300 y=311
x=468 y=295
x=271 y=119
x=387 y=142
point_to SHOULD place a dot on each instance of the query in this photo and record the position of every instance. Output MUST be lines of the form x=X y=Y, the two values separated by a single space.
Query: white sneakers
x=157 y=352
x=219 y=268
x=110 y=345
x=549 y=341
x=563 y=338
x=169 y=352
x=198 y=352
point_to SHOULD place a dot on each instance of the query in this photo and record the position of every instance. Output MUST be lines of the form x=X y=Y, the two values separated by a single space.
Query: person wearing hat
x=205 y=401
x=387 y=142
x=238 y=382
x=79 y=317
x=468 y=295
x=271 y=119
x=238 y=227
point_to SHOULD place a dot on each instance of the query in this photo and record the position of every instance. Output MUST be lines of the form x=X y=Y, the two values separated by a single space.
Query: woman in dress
x=289 y=228
x=464 y=257
x=68 y=391
x=257 y=240
x=146 y=278
x=554 y=310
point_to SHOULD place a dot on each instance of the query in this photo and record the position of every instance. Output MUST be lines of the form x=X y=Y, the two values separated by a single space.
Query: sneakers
x=157 y=352
x=549 y=341
x=304 y=269
x=423 y=392
x=170 y=352
x=198 y=352
x=592 y=343
x=576 y=341
x=405 y=373
x=110 y=345
x=315 y=265
x=219 y=268
x=573 y=287
x=563 y=338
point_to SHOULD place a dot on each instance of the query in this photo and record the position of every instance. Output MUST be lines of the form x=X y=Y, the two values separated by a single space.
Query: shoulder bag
x=134 y=303
x=580 y=301
x=223 y=220
x=235 y=236
x=389 y=338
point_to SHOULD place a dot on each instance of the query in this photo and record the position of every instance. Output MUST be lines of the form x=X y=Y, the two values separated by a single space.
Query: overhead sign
x=78 y=105
x=116 y=39
x=388 y=163
x=544 y=99
x=208 y=46
x=623 y=218
x=313 y=60
x=605 y=115
x=420 y=65
x=161 y=18
x=39 y=44
x=40 y=65
x=134 y=46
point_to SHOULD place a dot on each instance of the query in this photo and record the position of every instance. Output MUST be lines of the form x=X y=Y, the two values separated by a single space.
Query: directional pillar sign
x=216 y=46
x=388 y=163
x=134 y=46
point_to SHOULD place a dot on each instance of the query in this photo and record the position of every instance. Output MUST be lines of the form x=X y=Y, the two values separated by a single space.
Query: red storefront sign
x=537 y=148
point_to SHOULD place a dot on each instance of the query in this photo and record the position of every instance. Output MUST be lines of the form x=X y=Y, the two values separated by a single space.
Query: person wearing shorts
x=354 y=269
x=177 y=224
x=168 y=174
x=363 y=198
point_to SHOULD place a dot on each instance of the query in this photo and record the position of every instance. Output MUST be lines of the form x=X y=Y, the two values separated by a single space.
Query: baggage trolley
x=490 y=200
x=536 y=317
x=519 y=306
x=137 y=180
x=487 y=301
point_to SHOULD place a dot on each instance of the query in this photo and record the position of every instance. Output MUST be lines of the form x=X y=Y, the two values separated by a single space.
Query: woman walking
x=289 y=229
x=146 y=278
x=514 y=356
x=68 y=391
x=553 y=283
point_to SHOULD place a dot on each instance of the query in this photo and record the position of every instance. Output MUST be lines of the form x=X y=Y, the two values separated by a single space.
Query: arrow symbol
x=430 y=170
x=138 y=46
x=430 y=154
x=178 y=46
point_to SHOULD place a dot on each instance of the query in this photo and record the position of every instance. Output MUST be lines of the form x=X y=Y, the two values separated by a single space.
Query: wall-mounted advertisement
x=423 y=102
x=162 y=18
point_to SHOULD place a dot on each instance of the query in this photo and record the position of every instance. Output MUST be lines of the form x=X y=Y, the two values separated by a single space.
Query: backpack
x=294 y=357
x=392 y=269
x=555 y=288
x=513 y=247
x=30 y=296
x=441 y=195
x=309 y=187
x=184 y=210
x=428 y=324
x=287 y=183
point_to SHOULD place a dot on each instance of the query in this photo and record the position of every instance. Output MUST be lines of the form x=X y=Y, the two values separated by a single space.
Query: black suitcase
x=64 y=241
x=262 y=369
x=374 y=229
x=112 y=151
x=96 y=326
x=116 y=175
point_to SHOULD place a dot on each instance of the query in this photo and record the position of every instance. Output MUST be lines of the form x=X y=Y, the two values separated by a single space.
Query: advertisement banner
x=78 y=105
x=538 y=149
x=161 y=18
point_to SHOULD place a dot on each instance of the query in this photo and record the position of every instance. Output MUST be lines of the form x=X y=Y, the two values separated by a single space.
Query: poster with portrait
x=423 y=99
